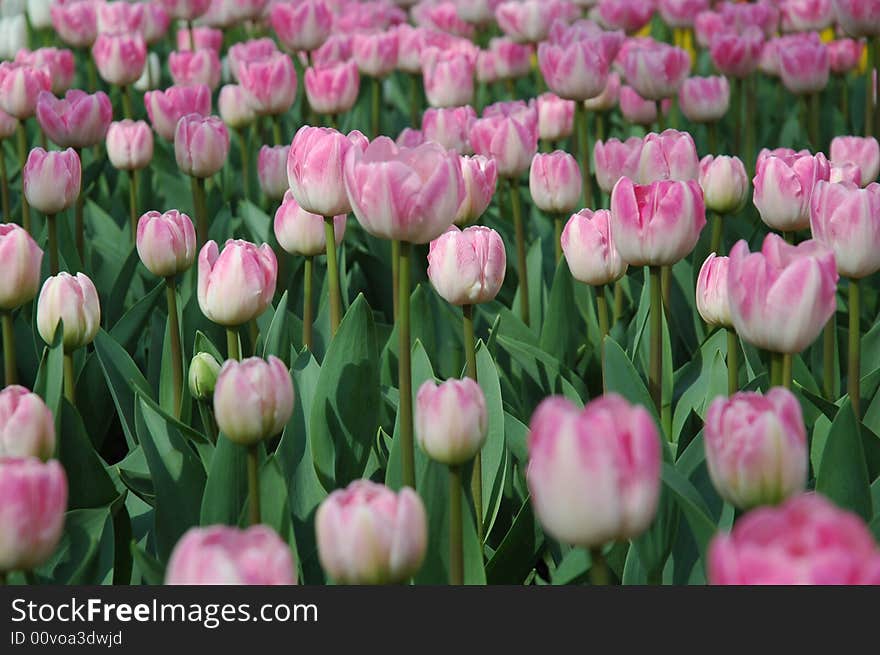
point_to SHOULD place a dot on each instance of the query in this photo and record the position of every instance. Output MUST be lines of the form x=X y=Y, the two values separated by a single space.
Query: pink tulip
x=236 y=106
x=804 y=65
x=315 y=169
x=477 y=12
x=805 y=15
x=20 y=259
x=129 y=145
x=187 y=10
x=448 y=78
x=846 y=219
x=858 y=17
x=735 y=54
x=555 y=182
x=509 y=134
x=166 y=243
x=155 y=23
x=594 y=473
x=863 y=151
x=76 y=23
x=120 y=58
x=635 y=108
x=201 y=145
x=236 y=285
x=467 y=267
x=756 y=447
x=480 y=175
x=203 y=38
x=407 y=194
x=608 y=99
x=450 y=127
x=724 y=182
x=807 y=541
x=302 y=233
x=410 y=138
x=713 y=303
x=708 y=25
x=614 y=159
x=555 y=117
x=671 y=155
x=627 y=15
x=844 y=55
x=332 y=89
x=782 y=296
x=221 y=555
x=271 y=81
x=8 y=125
x=79 y=120
x=575 y=71
x=783 y=185
x=301 y=26
x=119 y=16
x=59 y=64
x=272 y=171
x=441 y=16
x=73 y=301
x=336 y=50
x=681 y=13
x=32 y=512
x=375 y=54
x=166 y=108
x=27 y=428
x=52 y=179
x=410 y=43
x=526 y=21
x=845 y=172
x=704 y=99
x=505 y=60
x=252 y=50
x=253 y=399
x=742 y=16
x=656 y=71
x=656 y=224
x=20 y=86
x=589 y=249
x=189 y=68
x=451 y=420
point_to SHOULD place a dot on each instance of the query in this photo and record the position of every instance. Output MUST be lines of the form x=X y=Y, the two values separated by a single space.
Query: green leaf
x=226 y=485
x=691 y=504
x=563 y=330
x=494 y=467
x=517 y=553
x=151 y=570
x=85 y=554
x=277 y=338
x=88 y=482
x=843 y=472
x=123 y=379
x=621 y=377
x=50 y=376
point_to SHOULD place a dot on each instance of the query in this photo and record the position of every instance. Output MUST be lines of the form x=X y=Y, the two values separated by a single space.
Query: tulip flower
x=864 y=152
x=784 y=183
x=480 y=176
x=166 y=243
x=203 y=372
x=607 y=100
x=27 y=428
x=681 y=13
x=332 y=89
x=555 y=117
x=166 y=108
x=250 y=51
x=189 y=68
x=656 y=70
x=805 y=15
x=222 y=555
x=201 y=147
x=671 y=155
x=704 y=99
x=13 y=35
x=236 y=107
x=155 y=23
x=272 y=83
x=450 y=127
x=627 y=15
x=713 y=303
x=120 y=59
x=615 y=159
x=79 y=120
x=844 y=55
x=505 y=59
x=301 y=26
x=577 y=70
x=725 y=187
x=368 y=534
x=20 y=86
x=448 y=78
x=555 y=186
x=117 y=17
x=635 y=108
x=467 y=267
x=187 y=10
x=527 y=21
x=804 y=65
x=199 y=37
x=129 y=145
x=272 y=171
x=20 y=259
x=737 y=54
x=73 y=300
x=58 y=63
x=302 y=233
x=76 y=23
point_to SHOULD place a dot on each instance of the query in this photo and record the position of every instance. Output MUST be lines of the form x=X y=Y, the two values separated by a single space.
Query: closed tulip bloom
x=200 y=37
x=804 y=65
x=271 y=81
x=858 y=17
x=315 y=169
x=336 y=49
x=129 y=145
x=610 y=96
x=236 y=285
x=236 y=106
x=627 y=15
x=58 y=63
x=119 y=16
x=20 y=86
x=589 y=249
x=367 y=534
x=724 y=182
x=250 y=51
x=332 y=89
x=201 y=145
x=863 y=151
x=704 y=99
x=407 y=194
x=526 y=21
x=805 y=541
x=73 y=300
x=166 y=243
x=846 y=219
x=151 y=78
x=671 y=155
x=681 y=13
x=76 y=23
x=509 y=136
x=451 y=420
x=78 y=120
x=8 y=125
x=845 y=172
x=301 y=26
x=199 y=67
x=302 y=233
x=635 y=108
x=13 y=35
x=782 y=296
x=805 y=15
x=253 y=399
x=594 y=473
x=844 y=55
x=713 y=303
x=555 y=182
x=448 y=78
x=120 y=58
x=477 y=12
x=202 y=378
x=614 y=159
x=272 y=171
x=576 y=71
x=783 y=187
x=32 y=512
x=155 y=23
x=222 y=555
x=509 y=59
x=450 y=127
x=20 y=259
x=555 y=117
x=187 y=10
x=441 y=16
x=480 y=177
x=756 y=447
x=656 y=71
x=656 y=224
x=27 y=428
x=409 y=138
x=52 y=179
x=737 y=54
x=707 y=25
x=467 y=267
x=166 y=108
x=376 y=53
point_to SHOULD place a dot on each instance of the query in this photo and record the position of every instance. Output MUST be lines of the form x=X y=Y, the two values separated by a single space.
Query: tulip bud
x=527 y=21
x=151 y=78
x=450 y=127
x=509 y=134
x=271 y=81
x=301 y=26
x=253 y=399
x=203 y=372
x=166 y=108
x=704 y=99
x=467 y=267
x=201 y=145
x=737 y=54
x=236 y=106
x=236 y=285
x=844 y=55
x=448 y=78
x=27 y=428
x=451 y=420
x=200 y=37
x=615 y=159
x=155 y=24
x=20 y=86
x=56 y=62
x=32 y=512
x=367 y=534
x=129 y=145
x=166 y=243
x=13 y=35
x=627 y=15
x=555 y=117
x=302 y=233
x=712 y=299
x=332 y=89
x=8 y=125
x=589 y=249
x=863 y=151
x=784 y=185
x=52 y=180
x=221 y=555
x=79 y=120
x=73 y=300
x=20 y=259
x=671 y=155
x=76 y=23
x=724 y=182
x=480 y=177
x=120 y=58
x=555 y=182
x=635 y=108
x=409 y=138
x=804 y=65
x=656 y=70
x=187 y=10
x=594 y=473
x=199 y=67
x=272 y=171
x=577 y=70
x=846 y=219
x=375 y=53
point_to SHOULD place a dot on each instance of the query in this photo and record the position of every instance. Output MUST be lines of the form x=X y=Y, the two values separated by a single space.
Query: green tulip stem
x=308 y=319
x=717 y=234
x=126 y=101
x=4 y=184
x=132 y=206
x=732 y=362
x=276 y=130
x=815 y=111
x=192 y=38
x=749 y=120
x=829 y=347
x=245 y=164
x=712 y=129
x=407 y=452
x=22 y=158
x=415 y=101
x=333 y=275
x=775 y=369
x=604 y=325
x=854 y=354
x=869 y=86
x=522 y=267
x=253 y=469
x=176 y=351
x=558 y=226
x=69 y=379
x=470 y=350
x=583 y=152
x=233 y=349
x=52 y=228
x=92 y=72
x=599 y=568
x=79 y=223
x=786 y=370
x=8 y=348
x=618 y=300
x=208 y=422
x=655 y=367
x=456 y=542
x=395 y=276
x=199 y=205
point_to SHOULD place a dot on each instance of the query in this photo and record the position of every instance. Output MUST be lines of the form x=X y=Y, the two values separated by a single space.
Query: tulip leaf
x=691 y=504
x=124 y=379
x=277 y=340
x=843 y=472
x=494 y=459
x=88 y=482
x=226 y=484
x=50 y=376
x=515 y=556
x=621 y=377
x=85 y=554
x=563 y=330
